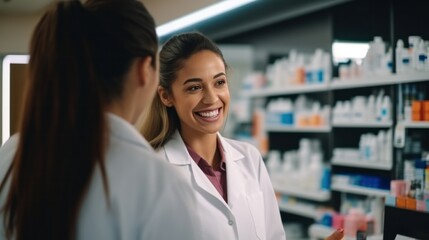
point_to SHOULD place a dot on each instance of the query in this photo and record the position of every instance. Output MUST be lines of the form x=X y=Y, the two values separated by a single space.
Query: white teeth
x=210 y=114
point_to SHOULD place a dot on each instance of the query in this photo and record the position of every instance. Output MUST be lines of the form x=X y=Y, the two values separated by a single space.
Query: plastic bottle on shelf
x=386 y=107
x=377 y=209
x=314 y=171
x=378 y=48
x=389 y=143
x=370 y=114
x=325 y=115
x=354 y=221
x=273 y=162
x=412 y=43
x=358 y=109
x=421 y=56
x=381 y=146
x=378 y=105
x=326 y=64
x=399 y=51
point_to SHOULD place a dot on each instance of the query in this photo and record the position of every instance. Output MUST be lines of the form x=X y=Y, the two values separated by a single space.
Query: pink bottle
x=355 y=220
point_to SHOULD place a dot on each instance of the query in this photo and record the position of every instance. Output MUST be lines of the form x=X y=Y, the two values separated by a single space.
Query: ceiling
x=162 y=10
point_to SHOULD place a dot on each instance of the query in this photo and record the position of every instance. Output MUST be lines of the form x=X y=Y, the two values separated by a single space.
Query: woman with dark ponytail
x=78 y=169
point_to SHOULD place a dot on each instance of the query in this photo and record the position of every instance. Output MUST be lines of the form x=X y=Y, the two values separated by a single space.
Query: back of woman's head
x=161 y=122
x=79 y=56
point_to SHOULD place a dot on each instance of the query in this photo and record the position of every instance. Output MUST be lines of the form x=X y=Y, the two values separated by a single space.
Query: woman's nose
x=210 y=96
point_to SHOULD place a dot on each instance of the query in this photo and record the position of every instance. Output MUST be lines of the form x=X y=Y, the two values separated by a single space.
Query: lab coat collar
x=175 y=149
x=122 y=129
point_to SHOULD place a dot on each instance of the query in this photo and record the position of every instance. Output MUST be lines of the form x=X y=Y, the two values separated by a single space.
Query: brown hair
x=79 y=57
x=160 y=122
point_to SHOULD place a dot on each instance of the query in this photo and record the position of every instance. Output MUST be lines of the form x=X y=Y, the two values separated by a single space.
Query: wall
x=15 y=32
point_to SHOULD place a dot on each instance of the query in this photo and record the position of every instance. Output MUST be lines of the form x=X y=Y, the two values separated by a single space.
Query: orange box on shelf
x=416 y=106
x=425 y=105
x=401 y=202
x=410 y=203
x=315 y=120
x=416 y=116
x=425 y=116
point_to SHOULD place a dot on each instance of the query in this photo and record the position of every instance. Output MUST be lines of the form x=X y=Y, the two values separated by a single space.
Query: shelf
x=287 y=90
x=304 y=210
x=423 y=125
x=320 y=195
x=380 y=80
x=321 y=231
x=359 y=190
x=280 y=128
x=412 y=77
x=362 y=124
x=363 y=82
x=362 y=164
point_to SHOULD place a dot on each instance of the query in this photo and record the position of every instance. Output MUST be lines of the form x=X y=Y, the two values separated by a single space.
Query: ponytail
x=80 y=56
x=159 y=123
x=62 y=133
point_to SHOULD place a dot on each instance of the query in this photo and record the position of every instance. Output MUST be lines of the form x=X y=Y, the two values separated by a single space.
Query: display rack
x=283 y=128
x=362 y=124
x=319 y=195
x=347 y=188
x=288 y=90
x=422 y=125
x=304 y=210
x=362 y=164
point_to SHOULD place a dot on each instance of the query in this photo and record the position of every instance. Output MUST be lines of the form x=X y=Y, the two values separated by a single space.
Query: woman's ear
x=146 y=71
x=165 y=97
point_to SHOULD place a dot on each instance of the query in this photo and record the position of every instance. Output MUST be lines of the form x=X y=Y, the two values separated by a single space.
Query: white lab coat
x=149 y=200
x=251 y=212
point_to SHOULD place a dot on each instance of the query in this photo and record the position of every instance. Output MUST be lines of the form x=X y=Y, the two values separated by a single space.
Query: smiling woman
x=235 y=198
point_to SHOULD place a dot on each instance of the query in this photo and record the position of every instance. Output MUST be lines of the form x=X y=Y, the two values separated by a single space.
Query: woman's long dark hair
x=79 y=55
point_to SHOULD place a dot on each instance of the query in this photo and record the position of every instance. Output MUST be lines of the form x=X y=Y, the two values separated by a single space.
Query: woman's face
x=200 y=94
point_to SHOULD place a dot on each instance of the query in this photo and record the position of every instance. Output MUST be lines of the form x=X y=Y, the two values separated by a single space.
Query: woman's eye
x=220 y=82
x=194 y=88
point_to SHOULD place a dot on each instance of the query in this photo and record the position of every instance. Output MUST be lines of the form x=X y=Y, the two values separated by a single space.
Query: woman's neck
x=205 y=146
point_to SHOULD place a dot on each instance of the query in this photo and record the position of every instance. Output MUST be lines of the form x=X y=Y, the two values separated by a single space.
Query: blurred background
x=334 y=93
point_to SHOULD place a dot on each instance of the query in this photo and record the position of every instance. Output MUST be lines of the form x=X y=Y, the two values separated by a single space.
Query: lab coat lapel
x=236 y=180
x=177 y=154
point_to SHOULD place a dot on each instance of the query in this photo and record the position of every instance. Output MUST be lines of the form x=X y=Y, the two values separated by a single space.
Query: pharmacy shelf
x=304 y=210
x=319 y=231
x=369 y=124
x=380 y=80
x=283 y=128
x=412 y=77
x=287 y=90
x=347 y=188
x=320 y=195
x=422 y=125
x=363 y=82
x=362 y=164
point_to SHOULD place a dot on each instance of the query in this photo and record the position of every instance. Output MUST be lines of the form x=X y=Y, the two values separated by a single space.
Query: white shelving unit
x=372 y=81
x=362 y=164
x=422 y=125
x=363 y=82
x=318 y=231
x=286 y=90
x=362 y=124
x=320 y=195
x=412 y=77
x=283 y=128
x=305 y=210
x=347 y=188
